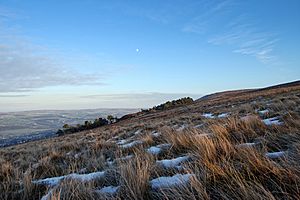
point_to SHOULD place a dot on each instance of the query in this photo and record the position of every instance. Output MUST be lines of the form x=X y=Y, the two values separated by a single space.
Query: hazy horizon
x=92 y=54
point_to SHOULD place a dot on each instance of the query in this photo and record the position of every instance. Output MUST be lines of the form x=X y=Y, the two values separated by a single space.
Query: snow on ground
x=111 y=190
x=77 y=155
x=172 y=163
x=198 y=126
x=208 y=115
x=121 y=142
x=155 y=133
x=126 y=157
x=80 y=177
x=171 y=181
x=110 y=161
x=275 y=155
x=272 y=121
x=263 y=112
x=247 y=144
x=154 y=150
x=137 y=132
x=131 y=144
x=223 y=115
x=48 y=195
x=50 y=181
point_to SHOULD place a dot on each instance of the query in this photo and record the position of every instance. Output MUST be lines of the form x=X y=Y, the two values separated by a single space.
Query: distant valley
x=31 y=125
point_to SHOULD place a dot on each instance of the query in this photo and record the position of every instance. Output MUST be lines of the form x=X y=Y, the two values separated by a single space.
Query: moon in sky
x=137 y=50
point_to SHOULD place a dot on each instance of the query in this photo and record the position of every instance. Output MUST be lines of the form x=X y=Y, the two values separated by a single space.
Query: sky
x=136 y=54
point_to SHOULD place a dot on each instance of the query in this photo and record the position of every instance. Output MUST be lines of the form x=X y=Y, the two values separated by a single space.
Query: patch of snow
x=80 y=177
x=263 y=112
x=87 y=177
x=121 y=142
x=171 y=181
x=154 y=150
x=272 y=121
x=172 y=163
x=109 y=190
x=36 y=165
x=208 y=115
x=275 y=155
x=155 y=133
x=77 y=155
x=198 y=126
x=131 y=144
x=48 y=195
x=50 y=181
x=137 y=132
x=110 y=163
x=247 y=144
x=223 y=115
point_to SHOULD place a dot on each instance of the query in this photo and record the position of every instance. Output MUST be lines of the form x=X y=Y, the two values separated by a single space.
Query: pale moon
x=137 y=50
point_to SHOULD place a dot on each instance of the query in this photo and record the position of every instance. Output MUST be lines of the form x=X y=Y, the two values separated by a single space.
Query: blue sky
x=124 y=53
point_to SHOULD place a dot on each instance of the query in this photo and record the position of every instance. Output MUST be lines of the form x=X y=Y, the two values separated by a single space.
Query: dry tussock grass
x=221 y=168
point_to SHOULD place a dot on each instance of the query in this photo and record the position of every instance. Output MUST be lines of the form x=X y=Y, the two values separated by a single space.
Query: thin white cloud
x=26 y=67
x=22 y=69
x=12 y=95
x=209 y=13
x=6 y=14
x=246 y=39
x=234 y=29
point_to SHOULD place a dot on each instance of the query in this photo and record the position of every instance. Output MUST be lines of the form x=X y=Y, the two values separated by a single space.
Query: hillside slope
x=232 y=145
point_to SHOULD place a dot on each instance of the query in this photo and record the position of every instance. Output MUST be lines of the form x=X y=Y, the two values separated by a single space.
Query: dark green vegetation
x=171 y=104
x=67 y=129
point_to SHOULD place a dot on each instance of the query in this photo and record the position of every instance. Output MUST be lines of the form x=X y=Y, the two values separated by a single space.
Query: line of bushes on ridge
x=68 y=129
x=170 y=104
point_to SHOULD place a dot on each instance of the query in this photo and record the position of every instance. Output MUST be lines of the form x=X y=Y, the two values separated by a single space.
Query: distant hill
x=228 y=94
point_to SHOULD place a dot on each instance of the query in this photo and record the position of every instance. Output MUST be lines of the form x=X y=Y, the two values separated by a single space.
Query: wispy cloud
x=209 y=11
x=26 y=67
x=245 y=38
x=22 y=69
x=6 y=14
x=236 y=30
x=12 y=95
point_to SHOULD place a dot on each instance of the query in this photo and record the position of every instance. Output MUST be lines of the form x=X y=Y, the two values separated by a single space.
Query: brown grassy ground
x=221 y=164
